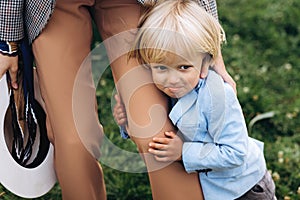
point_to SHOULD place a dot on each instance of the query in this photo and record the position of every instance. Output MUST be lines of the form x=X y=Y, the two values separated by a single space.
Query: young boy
x=175 y=40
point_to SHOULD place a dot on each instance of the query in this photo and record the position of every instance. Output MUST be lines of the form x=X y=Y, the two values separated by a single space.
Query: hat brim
x=22 y=181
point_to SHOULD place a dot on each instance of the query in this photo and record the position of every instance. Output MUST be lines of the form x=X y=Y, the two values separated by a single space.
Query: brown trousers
x=59 y=52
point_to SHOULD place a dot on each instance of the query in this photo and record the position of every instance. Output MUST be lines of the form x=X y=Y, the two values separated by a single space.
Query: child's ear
x=206 y=63
x=207 y=60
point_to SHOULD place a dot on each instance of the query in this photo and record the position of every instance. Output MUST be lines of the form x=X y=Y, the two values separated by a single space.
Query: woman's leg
x=59 y=52
x=146 y=107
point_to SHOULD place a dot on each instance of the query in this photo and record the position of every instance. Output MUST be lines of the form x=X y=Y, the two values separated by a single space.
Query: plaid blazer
x=34 y=14
x=15 y=14
x=209 y=5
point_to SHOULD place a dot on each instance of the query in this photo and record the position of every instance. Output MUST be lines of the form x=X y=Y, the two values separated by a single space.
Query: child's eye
x=160 y=67
x=184 y=67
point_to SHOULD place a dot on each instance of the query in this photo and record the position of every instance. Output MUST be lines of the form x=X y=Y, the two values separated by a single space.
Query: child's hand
x=119 y=112
x=167 y=148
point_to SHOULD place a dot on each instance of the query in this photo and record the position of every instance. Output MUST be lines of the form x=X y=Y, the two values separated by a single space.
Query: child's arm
x=168 y=148
x=228 y=151
x=164 y=149
x=225 y=145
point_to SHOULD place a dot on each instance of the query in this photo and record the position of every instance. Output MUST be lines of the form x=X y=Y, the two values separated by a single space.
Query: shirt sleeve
x=123 y=132
x=11 y=23
x=228 y=150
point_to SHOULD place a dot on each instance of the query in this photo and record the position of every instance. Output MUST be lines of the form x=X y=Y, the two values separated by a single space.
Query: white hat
x=26 y=182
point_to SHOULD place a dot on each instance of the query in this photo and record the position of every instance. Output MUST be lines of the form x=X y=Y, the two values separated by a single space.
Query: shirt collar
x=185 y=103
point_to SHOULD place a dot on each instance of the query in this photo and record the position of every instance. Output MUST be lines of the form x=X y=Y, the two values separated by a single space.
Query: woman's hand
x=10 y=64
x=219 y=67
x=166 y=149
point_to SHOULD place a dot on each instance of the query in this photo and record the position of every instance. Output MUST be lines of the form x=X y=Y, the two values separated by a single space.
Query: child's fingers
x=118 y=111
x=117 y=98
x=121 y=122
x=158 y=146
x=120 y=118
x=119 y=103
x=157 y=152
x=162 y=159
x=161 y=140
x=170 y=134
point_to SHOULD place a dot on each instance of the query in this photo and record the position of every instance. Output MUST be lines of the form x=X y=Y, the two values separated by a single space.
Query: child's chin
x=176 y=96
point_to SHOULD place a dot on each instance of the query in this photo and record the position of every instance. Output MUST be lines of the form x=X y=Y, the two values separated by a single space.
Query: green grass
x=262 y=55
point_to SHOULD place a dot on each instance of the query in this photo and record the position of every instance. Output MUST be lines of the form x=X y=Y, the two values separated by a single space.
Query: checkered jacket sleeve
x=11 y=20
x=20 y=15
x=209 y=5
x=37 y=14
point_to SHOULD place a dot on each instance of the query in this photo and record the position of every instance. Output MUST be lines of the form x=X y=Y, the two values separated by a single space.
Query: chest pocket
x=192 y=127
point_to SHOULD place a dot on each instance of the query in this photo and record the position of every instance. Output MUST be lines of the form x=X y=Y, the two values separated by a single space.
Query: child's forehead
x=172 y=57
x=174 y=60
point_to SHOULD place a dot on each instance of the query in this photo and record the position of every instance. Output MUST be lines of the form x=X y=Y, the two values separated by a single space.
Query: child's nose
x=174 y=77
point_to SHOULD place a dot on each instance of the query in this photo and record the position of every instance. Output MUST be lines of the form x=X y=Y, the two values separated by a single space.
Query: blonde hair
x=177 y=26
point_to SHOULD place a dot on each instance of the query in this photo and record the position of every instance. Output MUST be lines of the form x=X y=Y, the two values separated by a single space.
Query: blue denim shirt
x=216 y=141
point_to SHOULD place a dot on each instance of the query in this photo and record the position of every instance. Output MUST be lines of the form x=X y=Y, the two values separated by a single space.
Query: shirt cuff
x=9 y=48
x=190 y=158
x=123 y=132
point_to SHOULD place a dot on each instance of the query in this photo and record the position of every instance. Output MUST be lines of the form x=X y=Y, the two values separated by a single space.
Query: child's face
x=176 y=76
